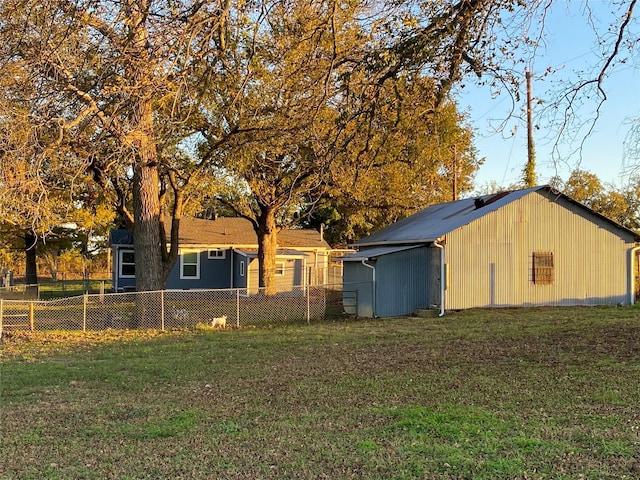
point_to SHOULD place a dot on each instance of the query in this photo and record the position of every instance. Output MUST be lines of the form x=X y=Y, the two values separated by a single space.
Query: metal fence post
x=162 y=310
x=1 y=306
x=324 y=301
x=31 y=317
x=85 y=299
x=308 y=304
x=238 y=307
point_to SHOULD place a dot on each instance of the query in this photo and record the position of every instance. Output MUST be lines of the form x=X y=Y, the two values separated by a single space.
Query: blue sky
x=570 y=46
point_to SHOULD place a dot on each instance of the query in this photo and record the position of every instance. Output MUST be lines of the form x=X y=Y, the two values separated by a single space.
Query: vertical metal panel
x=402 y=282
x=358 y=278
x=434 y=278
x=490 y=259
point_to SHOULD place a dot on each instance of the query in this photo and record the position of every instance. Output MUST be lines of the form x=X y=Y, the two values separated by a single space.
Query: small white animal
x=219 y=322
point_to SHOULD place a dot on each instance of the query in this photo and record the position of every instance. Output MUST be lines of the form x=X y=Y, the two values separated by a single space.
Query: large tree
x=115 y=83
x=276 y=122
x=314 y=113
x=415 y=159
x=36 y=182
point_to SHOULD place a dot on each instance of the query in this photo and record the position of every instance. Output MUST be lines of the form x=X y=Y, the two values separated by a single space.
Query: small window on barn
x=543 y=268
x=242 y=269
x=280 y=269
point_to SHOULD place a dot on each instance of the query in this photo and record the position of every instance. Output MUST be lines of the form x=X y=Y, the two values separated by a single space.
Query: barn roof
x=436 y=221
x=229 y=231
x=375 y=252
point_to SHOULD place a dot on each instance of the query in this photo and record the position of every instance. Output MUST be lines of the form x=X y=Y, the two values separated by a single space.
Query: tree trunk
x=170 y=256
x=146 y=230
x=267 y=248
x=31 y=267
x=142 y=142
x=150 y=274
x=148 y=245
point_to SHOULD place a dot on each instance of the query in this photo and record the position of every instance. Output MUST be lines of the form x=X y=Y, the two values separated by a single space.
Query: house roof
x=436 y=221
x=229 y=231
x=253 y=253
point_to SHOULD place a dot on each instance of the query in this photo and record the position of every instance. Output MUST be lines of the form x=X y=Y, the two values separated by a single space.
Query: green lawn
x=69 y=288
x=538 y=393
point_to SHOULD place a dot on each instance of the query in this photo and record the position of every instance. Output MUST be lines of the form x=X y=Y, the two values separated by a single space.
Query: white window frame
x=217 y=254
x=121 y=263
x=183 y=264
x=281 y=269
x=242 y=268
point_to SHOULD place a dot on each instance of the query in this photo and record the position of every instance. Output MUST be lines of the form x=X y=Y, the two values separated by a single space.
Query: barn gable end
x=496 y=255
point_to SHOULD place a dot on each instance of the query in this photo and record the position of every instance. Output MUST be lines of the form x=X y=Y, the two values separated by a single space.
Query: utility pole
x=455 y=173
x=530 y=169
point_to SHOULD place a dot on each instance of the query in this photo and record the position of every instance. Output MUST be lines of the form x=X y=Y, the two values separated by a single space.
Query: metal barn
x=530 y=247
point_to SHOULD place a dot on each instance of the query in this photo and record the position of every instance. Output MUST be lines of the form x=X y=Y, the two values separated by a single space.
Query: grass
x=50 y=289
x=53 y=289
x=536 y=394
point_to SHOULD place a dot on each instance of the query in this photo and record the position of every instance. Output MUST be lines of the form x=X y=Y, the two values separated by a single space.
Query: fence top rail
x=7 y=303
x=124 y=295
x=20 y=285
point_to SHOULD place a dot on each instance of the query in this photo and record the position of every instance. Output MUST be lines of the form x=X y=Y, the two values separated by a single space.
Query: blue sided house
x=223 y=253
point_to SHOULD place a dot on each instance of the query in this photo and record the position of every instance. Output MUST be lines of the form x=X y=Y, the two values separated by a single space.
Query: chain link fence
x=47 y=290
x=173 y=309
x=20 y=292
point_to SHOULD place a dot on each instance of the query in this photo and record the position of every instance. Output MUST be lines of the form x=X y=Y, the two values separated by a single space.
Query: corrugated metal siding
x=490 y=261
x=434 y=281
x=359 y=279
x=402 y=282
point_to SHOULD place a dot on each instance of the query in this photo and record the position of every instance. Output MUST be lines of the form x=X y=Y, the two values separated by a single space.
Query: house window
x=543 y=268
x=279 y=269
x=190 y=264
x=127 y=264
x=242 y=269
x=217 y=254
